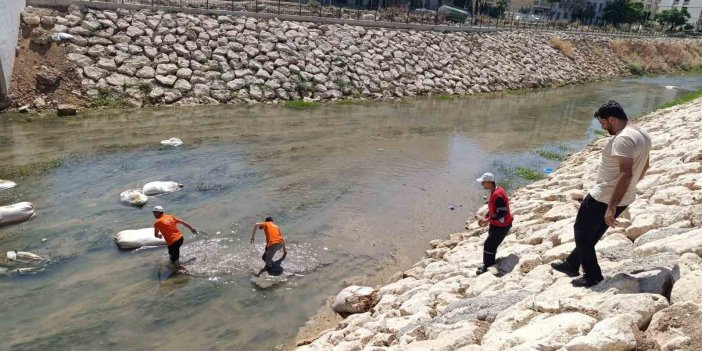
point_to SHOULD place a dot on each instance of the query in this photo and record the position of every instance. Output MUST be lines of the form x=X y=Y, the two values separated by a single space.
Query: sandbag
x=156 y=188
x=355 y=299
x=22 y=256
x=136 y=238
x=7 y=184
x=172 y=142
x=133 y=197
x=18 y=212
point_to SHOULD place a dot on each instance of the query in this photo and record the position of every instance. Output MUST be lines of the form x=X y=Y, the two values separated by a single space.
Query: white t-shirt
x=632 y=142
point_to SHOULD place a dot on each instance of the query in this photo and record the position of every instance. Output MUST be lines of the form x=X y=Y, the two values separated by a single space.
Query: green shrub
x=683 y=99
x=528 y=173
x=551 y=155
x=300 y=104
x=636 y=69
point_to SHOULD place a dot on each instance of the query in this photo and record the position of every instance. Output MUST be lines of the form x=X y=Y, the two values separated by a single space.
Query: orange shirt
x=272 y=231
x=167 y=225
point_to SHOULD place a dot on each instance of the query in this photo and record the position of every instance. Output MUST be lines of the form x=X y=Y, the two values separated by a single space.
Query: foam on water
x=227 y=259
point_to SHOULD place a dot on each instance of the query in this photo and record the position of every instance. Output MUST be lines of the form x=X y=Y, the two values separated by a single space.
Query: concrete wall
x=9 y=26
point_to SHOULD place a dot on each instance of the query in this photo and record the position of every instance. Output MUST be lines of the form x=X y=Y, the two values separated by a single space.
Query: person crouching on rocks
x=274 y=242
x=498 y=217
x=166 y=227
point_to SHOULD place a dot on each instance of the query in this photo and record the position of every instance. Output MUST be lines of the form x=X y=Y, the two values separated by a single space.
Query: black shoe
x=565 y=268
x=481 y=270
x=584 y=282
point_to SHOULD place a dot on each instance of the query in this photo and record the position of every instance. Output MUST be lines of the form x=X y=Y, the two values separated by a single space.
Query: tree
x=673 y=17
x=494 y=11
x=624 y=11
x=525 y=10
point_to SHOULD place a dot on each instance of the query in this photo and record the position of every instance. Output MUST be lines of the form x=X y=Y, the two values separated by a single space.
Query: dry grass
x=658 y=57
x=564 y=46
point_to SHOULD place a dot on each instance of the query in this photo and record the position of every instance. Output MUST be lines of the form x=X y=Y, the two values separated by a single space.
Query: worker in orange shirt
x=166 y=227
x=274 y=242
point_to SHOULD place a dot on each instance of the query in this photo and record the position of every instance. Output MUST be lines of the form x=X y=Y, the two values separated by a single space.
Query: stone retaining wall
x=150 y=57
x=651 y=298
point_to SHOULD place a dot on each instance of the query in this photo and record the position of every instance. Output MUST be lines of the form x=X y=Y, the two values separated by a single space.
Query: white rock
x=687 y=242
x=611 y=334
x=22 y=256
x=355 y=299
x=160 y=187
x=7 y=184
x=172 y=142
x=136 y=238
x=15 y=213
x=133 y=197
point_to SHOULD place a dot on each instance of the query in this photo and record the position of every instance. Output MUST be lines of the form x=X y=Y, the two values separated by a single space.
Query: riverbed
x=352 y=186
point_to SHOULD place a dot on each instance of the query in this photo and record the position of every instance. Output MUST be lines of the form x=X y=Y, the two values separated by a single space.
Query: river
x=354 y=188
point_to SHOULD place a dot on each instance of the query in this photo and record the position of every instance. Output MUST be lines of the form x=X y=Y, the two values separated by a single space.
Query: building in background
x=694 y=7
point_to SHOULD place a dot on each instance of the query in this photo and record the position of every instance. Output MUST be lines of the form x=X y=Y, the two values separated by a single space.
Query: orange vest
x=167 y=225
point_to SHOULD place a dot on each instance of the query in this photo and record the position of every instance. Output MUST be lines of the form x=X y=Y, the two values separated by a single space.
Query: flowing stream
x=354 y=187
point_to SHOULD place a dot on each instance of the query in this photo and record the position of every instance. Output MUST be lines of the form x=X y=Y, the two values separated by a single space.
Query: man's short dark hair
x=269 y=219
x=611 y=108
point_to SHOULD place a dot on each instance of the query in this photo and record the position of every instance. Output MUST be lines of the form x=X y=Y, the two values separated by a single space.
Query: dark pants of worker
x=269 y=253
x=174 y=250
x=589 y=228
x=495 y=237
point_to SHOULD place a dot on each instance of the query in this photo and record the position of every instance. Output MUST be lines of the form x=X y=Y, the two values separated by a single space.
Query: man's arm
x=192 y=229
x=626 y=173
x=254 y=232
x=156 y=234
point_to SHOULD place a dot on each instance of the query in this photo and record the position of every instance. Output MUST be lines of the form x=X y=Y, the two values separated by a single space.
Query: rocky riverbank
x=651 y=298
x=151 y=58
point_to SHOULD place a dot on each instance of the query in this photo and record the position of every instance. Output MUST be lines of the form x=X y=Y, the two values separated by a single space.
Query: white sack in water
x=133 y=197
x=18 y=212
x=21 y=256
x=7 y=184
x=172 y=142
x=355 y=299
x=136 y=238
x=156 y=188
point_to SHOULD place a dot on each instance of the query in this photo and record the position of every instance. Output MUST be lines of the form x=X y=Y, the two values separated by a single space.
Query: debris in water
x=671 y=87
x=326 y=249
x=43 y=240
x=172 y=142
x=451 y=207
x=218 y=233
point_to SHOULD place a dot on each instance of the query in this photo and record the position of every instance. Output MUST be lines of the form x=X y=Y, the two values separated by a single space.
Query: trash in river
x=671 y=87
x=7 y=184
x=136 y=238
x=15 y=213
x=21 y=256
x=452 y=207
x=133 y=197
x=156 y=188
x=172 y=142
x=548 y=170
x=58 y=36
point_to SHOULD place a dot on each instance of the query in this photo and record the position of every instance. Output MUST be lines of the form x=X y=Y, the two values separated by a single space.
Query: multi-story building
x=556 y=10
x=694 y=7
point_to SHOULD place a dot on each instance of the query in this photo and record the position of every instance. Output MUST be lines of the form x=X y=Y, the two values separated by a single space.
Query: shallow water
x=350 y=185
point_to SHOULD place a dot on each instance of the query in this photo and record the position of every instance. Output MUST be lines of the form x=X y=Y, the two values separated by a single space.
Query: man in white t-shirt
x=623 y=164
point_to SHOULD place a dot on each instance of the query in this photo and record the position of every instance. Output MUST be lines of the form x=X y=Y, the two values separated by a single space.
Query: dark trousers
x=589 y=228
x=495 y=237
x=269 y=253
x=174 y=250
